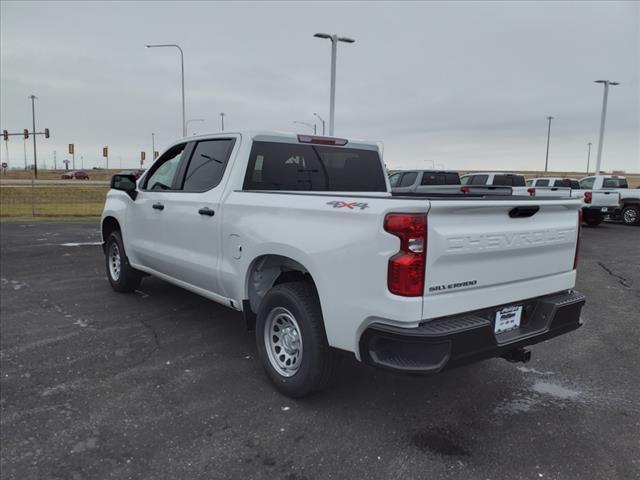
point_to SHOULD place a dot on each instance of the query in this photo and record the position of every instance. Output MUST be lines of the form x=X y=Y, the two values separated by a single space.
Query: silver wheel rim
x=115 y=263
x=283 y=341
x=630 y=215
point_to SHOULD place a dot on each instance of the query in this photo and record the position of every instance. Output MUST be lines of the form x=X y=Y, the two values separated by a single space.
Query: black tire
x=594 y=220
x=128 y=279
x=318 y=361
x=630 y=215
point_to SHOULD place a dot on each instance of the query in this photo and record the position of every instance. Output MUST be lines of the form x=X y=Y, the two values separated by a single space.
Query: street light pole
x=184 y=122
x=588 y=157
x=546 y=162
x=153 y=147
x=33 y=116
x=322 y=120
x=603 y=117
x=334 y=49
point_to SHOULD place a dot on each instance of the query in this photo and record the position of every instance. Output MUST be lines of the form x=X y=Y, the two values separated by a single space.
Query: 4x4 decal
x=348 y=205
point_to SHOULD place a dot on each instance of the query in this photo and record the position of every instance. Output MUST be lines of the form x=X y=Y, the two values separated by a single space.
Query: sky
x=458 y=85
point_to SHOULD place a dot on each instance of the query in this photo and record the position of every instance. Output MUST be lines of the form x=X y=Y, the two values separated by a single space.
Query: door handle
x=206 y=211
x=158 y=206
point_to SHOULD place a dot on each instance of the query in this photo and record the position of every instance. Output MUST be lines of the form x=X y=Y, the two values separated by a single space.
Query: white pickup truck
x=435 y=182
x=497 y=179
x=628 y=208
x=597 y=204
x=302 y=235
x=552 y=187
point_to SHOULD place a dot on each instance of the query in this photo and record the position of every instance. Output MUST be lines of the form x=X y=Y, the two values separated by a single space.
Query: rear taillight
x=532 y=192
x=465 y=190
x=587 y=197
x=575 y=257
x=406 y=268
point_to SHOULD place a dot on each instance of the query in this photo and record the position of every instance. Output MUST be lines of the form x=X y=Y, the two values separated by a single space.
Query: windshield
x=394 y=179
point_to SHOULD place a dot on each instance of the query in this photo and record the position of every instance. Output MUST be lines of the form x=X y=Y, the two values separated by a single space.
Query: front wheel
x=291 y=340
x=122 y=276
x=631 y=215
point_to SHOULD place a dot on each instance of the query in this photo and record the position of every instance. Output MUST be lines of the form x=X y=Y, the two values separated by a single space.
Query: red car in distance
x=75 y=175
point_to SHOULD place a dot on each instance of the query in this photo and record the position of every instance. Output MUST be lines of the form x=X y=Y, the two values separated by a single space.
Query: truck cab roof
x=286 y=137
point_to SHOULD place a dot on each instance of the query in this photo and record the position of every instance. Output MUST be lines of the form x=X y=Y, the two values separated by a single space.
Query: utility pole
x=603 y=118
x=588 y=156
x=55 y=163
x=153 y=147
x=25 y=155
x=33 y=116
x=546 y=162
x=222 y=121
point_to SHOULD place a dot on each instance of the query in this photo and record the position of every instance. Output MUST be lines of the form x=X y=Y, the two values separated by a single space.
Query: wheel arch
x=268 y=270
x=109 y=224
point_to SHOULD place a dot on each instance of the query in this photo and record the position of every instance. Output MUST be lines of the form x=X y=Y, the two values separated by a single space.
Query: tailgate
x=604 y=198
x=561 y=192
x=481 y=253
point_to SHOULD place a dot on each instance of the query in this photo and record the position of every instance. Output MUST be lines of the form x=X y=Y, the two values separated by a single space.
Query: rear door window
x=207 y=164
x=587 y=183
x=292 y=166
x=542 y=183
x=408 y=179
x=512 y=180
x=479 y=180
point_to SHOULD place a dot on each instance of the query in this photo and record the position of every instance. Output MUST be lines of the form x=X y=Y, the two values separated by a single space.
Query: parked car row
x=602 y=195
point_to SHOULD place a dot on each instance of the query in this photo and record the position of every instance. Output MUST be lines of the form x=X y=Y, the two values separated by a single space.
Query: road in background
x=165 y=384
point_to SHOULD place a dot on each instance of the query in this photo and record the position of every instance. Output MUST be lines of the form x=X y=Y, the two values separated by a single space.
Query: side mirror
x=126 y=183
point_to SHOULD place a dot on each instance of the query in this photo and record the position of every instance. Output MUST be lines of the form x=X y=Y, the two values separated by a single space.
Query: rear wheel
x=122 y=276
x=631 y=215
x=594 y=220
x=291 y=340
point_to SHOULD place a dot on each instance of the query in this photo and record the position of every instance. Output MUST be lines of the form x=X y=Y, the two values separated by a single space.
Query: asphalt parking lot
x=163 y=384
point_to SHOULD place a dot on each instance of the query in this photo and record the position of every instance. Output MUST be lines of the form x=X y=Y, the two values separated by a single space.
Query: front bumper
x=457 y=340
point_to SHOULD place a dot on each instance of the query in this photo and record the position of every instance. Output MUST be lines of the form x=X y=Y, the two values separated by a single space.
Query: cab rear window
x=615 y=183
x=509 y=180
x=440 y=179
x=291 y=166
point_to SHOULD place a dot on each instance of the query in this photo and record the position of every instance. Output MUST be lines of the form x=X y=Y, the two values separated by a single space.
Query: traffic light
x=46 y=133
x=71 y=148
x=155 y=154
x=5 y=135
x=26 y=133
x=143 y=156
x=105 y=152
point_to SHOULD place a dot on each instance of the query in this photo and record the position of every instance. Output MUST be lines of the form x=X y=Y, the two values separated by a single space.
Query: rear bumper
x=598 y=210
x=452 y=341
